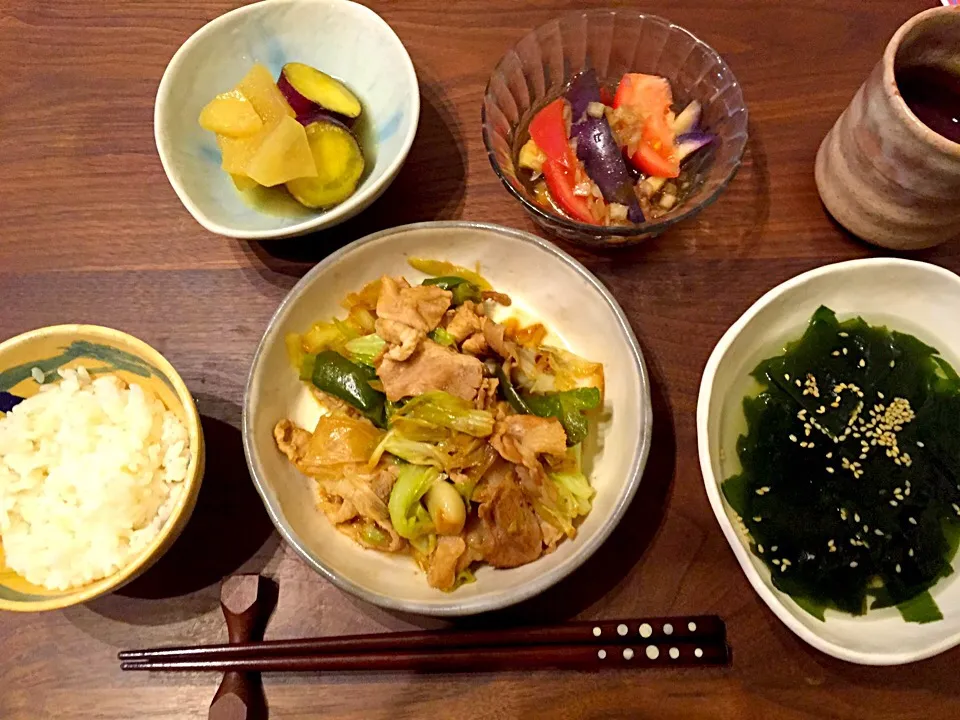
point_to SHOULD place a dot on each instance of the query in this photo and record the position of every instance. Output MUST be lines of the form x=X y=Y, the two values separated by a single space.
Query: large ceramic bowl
x=96 y=348
x=342 y=38
x=614 y=42
x=542 y=280
x=917 y=298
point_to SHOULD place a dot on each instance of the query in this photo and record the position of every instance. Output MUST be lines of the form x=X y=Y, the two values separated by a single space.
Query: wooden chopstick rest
x=247 y=602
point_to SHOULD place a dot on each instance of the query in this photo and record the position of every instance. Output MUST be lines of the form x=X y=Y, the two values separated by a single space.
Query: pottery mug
x=881 y=172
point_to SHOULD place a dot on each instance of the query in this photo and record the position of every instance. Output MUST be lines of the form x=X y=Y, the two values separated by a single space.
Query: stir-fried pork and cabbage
x=444 y=434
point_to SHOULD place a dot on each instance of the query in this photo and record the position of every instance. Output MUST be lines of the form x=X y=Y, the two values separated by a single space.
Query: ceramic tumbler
x=882 y=173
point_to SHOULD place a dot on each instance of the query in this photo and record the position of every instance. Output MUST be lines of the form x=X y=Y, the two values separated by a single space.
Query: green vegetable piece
x=464 y=577
x=344 y=379
x=373 y=535
x=921 y=608
x=409 y=517
x=441 y=409
x=461 y=288
x=364 y=350
x=442 y=337
x=414 y=451
x=510 y=392
x=811 y=606
x=306 y=367
x=569 y=407
x=570 y=497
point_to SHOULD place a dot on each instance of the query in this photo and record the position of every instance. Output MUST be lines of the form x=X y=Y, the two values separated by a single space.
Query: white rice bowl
x=90 y=470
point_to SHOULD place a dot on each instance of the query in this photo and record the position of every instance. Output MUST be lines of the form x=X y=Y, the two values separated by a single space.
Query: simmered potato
x=231 y=114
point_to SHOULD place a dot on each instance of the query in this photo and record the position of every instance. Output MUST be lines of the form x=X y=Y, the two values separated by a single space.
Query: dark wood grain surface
x=92 y=232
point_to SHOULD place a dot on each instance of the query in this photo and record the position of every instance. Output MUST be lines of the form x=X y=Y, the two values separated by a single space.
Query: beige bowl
x=882 y=173
x=542 y=280
x=91 y=346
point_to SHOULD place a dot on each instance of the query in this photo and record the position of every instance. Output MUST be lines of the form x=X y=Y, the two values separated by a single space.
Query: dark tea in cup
x=933 y=95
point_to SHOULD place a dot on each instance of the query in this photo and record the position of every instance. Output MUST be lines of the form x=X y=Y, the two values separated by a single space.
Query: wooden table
x=92 y=232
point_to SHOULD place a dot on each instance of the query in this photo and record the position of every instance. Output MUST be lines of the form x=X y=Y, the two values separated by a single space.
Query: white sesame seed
x=830 y=470
x=843 y=334
x=829 y=455
x=844 y=351
x=856 y=517
x=760 y=548
x=37 y=374
x=757 y=518
x=897 y=568
x=892 y=363
x=793 y=438
x=893 y=503
x=863 y=363
x=879 y=532
x=912 y=521
x=774 y=548
x=786 y=377
x=919 y=444
x=835 y=353
x=853 y=564
x=776 y=561
x=910 y=552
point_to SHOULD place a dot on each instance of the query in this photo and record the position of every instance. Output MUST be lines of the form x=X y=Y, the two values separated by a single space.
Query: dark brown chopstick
x=704 y=629
x=573 y=657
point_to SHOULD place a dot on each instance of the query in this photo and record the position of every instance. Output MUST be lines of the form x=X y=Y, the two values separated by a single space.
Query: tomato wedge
x=649 y=161
x=561 y=181
x=548 y=128
x=650 y=98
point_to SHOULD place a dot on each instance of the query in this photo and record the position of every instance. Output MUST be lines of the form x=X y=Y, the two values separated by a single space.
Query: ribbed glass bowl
x=614 y=42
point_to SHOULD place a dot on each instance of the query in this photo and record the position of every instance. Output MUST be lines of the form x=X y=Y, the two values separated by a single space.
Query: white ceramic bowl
x=540 y=279
x=342 y=38
x=915 y=297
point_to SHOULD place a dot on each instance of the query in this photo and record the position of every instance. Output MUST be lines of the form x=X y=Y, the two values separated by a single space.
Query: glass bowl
x=614 y=42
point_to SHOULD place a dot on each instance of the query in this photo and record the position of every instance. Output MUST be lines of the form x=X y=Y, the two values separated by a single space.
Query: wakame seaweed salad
x=850 y=487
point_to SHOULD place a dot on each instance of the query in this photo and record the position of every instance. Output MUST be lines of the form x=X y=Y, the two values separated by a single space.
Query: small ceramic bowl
x=914 y=297
x=342 y=38
x=542 y=281
x=614 y=42
x=96 y=348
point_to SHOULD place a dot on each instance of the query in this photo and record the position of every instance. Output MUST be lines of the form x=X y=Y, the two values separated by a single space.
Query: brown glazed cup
x=882 y=173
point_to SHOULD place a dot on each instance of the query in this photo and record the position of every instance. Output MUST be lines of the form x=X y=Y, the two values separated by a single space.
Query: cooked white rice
x=89 y=472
